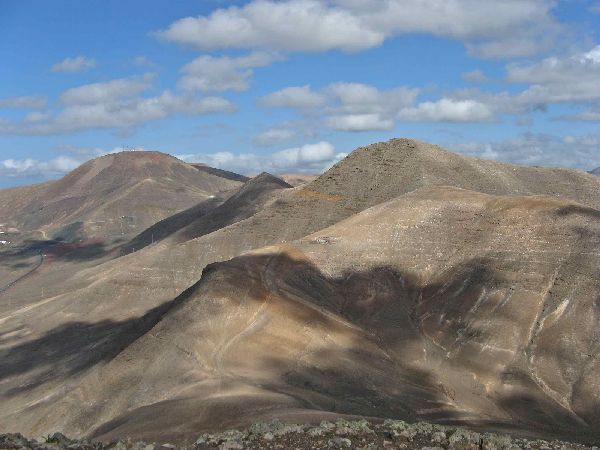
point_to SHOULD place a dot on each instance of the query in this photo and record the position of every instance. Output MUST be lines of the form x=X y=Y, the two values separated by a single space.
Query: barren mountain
x=213 y=214
x=110 y=348
x=444 y=304
x=297 y=179
x=114 y=195
x=596 y=171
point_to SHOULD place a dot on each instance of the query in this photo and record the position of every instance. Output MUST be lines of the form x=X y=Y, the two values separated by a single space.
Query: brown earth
x=106 y=347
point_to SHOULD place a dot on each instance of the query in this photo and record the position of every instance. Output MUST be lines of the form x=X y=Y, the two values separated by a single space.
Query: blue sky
x=294 y=85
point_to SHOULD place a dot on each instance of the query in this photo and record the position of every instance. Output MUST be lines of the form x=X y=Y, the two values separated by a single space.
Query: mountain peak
x=266 y=177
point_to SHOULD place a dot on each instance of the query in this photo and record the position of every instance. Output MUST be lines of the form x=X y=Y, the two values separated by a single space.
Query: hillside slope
x=444 y=305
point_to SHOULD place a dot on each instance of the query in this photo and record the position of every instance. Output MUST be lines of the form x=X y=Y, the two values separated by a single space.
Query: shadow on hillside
x=170 y=225
x=73 y=347
x=578 y=210
x=84 y=250
x=372 y=375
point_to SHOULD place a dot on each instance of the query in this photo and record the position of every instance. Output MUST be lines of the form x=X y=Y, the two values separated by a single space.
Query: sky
x=294 y=85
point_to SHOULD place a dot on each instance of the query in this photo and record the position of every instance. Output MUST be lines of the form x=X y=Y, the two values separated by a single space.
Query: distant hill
x=596 y=171
x=114 y=195
x=212 y=214
x=297 y=179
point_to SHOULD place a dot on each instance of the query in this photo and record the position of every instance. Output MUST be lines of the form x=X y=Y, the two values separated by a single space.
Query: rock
x=343 y=428
x=268 y=436
x=408 y=433
x=13 y=441
x=438 y=437
x=60 y=439
x=497 y=442
x=464 y=440
x=317 y=431
x=339 y=442
x=231 y=445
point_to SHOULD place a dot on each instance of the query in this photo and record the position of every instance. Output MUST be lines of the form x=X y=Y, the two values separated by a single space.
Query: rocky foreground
x=391 y=434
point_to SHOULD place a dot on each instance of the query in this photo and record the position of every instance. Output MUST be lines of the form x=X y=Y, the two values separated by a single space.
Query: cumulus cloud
x=309 y=158
x=106 y=92
x=300 y=97
x=448 y=110
x=116 y=104
x=31 y=167
x=359 y=122
x=142 y=61
x=475 y=76
x=580 y=152
x=569 y=79
x=210 y=73
x=352 y=25
x=77 y=64
x=24 y=102
x=590 y=115
x=347 y=106
x=358 y=98
x=274 y=136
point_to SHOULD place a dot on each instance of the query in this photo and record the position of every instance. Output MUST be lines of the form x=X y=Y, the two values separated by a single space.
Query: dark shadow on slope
x=211 y=215
x=75 y=347
x=170 y=225
x=372 y=376
x=578 y=210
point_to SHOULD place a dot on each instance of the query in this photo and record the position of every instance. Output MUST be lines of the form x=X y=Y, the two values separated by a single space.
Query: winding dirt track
x=22 y=277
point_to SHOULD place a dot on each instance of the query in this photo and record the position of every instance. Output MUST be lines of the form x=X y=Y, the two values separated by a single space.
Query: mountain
x=212 y=214
x=111 y=196
x=297 y=179
x=596 y=171
x=444 y=305
x=106 y=347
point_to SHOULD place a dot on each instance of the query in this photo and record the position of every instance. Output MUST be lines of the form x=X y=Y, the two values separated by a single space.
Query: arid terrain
x=148 y=298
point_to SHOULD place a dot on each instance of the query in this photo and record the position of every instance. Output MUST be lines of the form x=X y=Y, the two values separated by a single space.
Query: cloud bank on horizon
x=294 y=85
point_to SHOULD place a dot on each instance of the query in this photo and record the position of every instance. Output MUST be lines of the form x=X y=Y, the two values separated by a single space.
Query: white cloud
x=31 y=167
x=273 y=136
x=36 y=116
x=352 y=25
x=590 y=115
x=209 y=73
x=298 y=25
x=580 y=152
x=359 y=122
x=106 y=92
x=76 y=64
x=569 y=79
x=347 y=106
x=309 y=155
x=358 y=98
x=114 y=105
x=24 y=102
x=475 y=76
x=142 y=61
x=310 y=158
x=448 y=110
x=293 y=97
